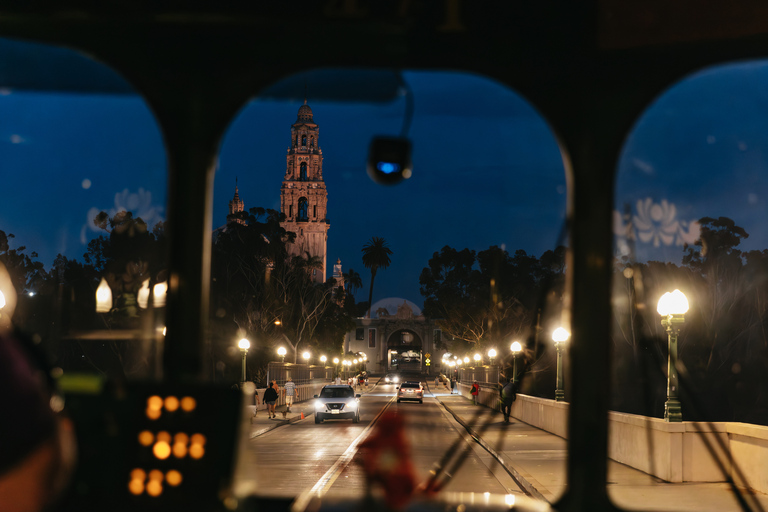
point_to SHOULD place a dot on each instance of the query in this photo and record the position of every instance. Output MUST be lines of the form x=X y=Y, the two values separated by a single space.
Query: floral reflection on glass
x=655 y=223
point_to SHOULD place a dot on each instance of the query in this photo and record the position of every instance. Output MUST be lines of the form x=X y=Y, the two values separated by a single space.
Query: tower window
x=290 y=210
x=314 y=211
x=303 y=209
x=311 y=142
x=303 y=171
x=304 y=140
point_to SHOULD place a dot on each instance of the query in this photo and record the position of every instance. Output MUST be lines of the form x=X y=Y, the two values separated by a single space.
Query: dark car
x=410 y=391
x=337 y=402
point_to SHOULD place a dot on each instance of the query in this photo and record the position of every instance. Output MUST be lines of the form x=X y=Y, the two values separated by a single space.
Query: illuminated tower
x=303 y=198
x=235 y=205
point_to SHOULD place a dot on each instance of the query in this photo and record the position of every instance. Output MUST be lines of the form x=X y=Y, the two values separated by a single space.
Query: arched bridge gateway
x=397 y=338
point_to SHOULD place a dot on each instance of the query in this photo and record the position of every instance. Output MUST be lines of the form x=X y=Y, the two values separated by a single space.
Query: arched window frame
x=303 y=213
x=303 y=171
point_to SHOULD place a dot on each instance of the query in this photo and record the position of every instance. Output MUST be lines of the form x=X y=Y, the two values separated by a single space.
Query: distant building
x=236 y=205
x=303 y=197
x=398 y=338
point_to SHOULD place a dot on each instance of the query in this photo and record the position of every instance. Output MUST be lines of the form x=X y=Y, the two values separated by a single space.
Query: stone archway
x=405 y=351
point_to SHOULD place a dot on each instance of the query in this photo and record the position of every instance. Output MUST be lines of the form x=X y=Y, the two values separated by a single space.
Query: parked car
x=410 y=391
x=337 y=402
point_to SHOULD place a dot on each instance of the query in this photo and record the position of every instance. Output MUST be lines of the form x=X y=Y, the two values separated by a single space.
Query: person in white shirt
x=338 y=379
x=290 y=393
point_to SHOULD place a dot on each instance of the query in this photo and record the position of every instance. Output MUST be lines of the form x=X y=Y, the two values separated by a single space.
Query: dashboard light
x=173 y=477
x=188 y=403
x=171 y=403
x=161 y=450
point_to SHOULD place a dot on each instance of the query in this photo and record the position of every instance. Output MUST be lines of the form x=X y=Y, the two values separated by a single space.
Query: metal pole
x=672 y=410
x=559 y=391
x=243 y=374
x=514 y=367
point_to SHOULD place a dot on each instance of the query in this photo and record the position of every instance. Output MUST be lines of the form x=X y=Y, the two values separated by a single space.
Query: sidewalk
x=540 y=458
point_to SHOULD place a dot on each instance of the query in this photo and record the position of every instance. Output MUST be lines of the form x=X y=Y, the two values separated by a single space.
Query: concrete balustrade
x=679 y=452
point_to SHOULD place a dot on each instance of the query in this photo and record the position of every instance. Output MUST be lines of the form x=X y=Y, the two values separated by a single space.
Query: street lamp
x=244 y=345
x=281 y=352
x=323 y=359
x=305 y=355
x=477 y=358
x=560 y=336
x=492 y=354
x=516 y=348
x=672 y=308
x=466 y=360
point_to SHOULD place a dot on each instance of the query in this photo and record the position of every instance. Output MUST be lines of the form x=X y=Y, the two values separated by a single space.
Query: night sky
x=487 y=170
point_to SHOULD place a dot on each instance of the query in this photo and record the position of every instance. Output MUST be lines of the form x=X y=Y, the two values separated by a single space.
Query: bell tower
x=303 y=197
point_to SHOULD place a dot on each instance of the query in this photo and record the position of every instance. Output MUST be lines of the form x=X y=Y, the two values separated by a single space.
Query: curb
x=524 y=484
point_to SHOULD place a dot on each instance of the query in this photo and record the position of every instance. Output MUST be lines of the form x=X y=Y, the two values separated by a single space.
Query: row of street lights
x=244 y=345
x=672 y=308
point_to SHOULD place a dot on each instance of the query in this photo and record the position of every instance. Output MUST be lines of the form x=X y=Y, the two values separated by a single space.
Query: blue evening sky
x=487 y=170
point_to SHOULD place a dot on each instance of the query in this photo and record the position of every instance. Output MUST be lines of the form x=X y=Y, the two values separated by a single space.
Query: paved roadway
x=289 y=457
x=285 y=457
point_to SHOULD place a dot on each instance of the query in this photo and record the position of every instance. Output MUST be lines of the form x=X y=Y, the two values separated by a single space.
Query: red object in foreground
x=387 y=462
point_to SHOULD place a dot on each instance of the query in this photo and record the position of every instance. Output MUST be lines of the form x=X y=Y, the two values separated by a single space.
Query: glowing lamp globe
x=560 y=335
x=674 y=303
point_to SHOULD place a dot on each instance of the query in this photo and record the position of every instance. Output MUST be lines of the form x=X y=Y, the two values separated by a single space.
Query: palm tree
x=375 y=255
x=353 y=280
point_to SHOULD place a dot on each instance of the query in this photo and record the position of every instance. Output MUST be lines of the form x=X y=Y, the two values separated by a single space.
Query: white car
x=337 y=402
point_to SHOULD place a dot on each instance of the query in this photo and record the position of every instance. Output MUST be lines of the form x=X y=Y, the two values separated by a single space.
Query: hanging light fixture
x=158 y=294
x=103 y=297
x=143 y=296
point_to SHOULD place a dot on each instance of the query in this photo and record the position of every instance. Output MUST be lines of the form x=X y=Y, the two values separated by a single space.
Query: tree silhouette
x=353 y=280
x=375 y=256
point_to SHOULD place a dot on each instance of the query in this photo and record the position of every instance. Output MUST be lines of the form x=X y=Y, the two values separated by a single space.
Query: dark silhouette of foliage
x=375 y=256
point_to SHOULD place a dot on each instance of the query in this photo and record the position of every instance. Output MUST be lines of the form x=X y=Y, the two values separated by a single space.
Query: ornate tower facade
x=235 y=205
x=303 y=198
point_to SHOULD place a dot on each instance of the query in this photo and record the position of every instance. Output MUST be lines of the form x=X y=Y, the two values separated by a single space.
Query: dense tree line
x=258 y=291
x=490 y=298
x=723 y=345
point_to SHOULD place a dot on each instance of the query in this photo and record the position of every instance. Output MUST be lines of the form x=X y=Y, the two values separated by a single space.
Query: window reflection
x=690 y=203
x=82 y=229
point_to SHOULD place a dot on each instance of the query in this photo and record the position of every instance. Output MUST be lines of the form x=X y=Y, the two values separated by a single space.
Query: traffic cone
x=302 y=415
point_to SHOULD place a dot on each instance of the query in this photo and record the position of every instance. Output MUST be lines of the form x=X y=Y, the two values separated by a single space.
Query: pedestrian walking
x=338 y=379
x=270 y=398
x=475 y=391
x=453 y=384
x=437 y=382
x=290 y=392
x=508 y=397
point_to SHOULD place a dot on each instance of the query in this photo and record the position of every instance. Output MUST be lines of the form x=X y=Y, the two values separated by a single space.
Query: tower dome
x=305 y=113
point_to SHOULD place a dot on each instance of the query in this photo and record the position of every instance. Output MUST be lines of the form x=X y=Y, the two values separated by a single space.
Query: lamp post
x=281 y=352
x=492 y=354
x=336 y=362
x=560 y=336
x=477 y=358
x=244 y=345
x=516 y=348
x=672 y=308
x=305 y=356
x=323 y=359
